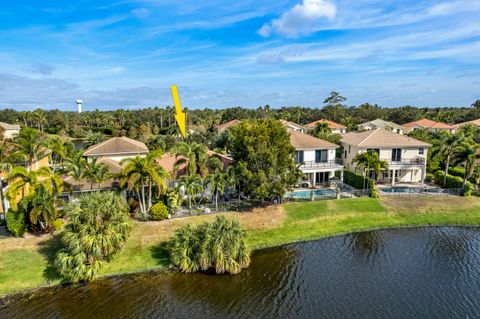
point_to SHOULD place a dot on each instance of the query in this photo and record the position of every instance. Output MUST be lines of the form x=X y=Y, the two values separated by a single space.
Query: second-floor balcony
x=405 y=161
x=321 y=164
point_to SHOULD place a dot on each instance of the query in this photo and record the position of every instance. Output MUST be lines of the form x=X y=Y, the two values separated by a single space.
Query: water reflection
x=411 y=273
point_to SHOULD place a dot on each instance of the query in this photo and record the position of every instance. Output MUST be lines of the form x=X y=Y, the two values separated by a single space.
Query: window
x=348 y=149
x=345 y=154
x=299 y=156
x=421 y=151
x=321 y=156
x=396 y=154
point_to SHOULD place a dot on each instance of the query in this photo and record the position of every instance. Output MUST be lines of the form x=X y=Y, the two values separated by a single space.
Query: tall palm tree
x=74 y=165
x=29 y=146
x=57 y=151
x=93 y=138
x=362 y=161
x=233 y=177
x=5 y=167
x=468 y=155
x=95 y=172
x=194 y=155
x=193 y=186
x=321 y=129
x=217 y=181
x=445 y=147
x=376 y=164
x=144 y=172
x=43 y=208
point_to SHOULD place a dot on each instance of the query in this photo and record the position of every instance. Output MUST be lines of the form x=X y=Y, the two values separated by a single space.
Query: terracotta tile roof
x=426 y=123
x=474 y=122
x=331 y=124
x=228 y=124
x=381 y=138
x=168 y=160
x=117 y=146
x=8 y=126
x=305 y=141
x=379 y=123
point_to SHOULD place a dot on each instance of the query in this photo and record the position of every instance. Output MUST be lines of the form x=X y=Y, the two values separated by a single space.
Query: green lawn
x=26 y=262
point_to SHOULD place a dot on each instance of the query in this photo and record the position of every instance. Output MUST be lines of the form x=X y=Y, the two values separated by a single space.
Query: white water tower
x=79 y=105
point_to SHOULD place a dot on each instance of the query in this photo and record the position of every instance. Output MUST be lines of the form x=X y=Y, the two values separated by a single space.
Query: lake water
x=409 y=273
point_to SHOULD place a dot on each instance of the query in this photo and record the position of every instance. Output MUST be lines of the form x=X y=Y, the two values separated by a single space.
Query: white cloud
x=301 y=19
x=141 y=13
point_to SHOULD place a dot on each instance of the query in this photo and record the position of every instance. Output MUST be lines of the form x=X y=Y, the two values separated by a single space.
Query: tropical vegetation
x=218 y=246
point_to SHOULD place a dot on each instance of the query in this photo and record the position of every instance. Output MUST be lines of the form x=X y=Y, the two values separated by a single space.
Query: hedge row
x=460 y=172
x=356 y=180
x=453 y=182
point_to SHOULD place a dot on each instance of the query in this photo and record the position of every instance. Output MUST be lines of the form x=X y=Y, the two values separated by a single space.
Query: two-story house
x=406 y=156
x=316 y=158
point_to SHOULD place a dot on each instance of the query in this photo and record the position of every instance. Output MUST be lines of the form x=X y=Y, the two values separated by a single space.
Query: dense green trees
x=98 y=228
x=264 y=158
x=218 y=246
x=141 y=175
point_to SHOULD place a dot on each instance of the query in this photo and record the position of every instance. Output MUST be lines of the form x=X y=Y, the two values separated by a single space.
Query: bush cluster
x=453 y=182
x=16 y=223
x=218 y=246
x=159 y=211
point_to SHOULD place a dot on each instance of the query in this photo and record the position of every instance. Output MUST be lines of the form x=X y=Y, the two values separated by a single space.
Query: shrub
x=429 y=177
x=98 y=228
x=219 y=246
x=453 y=182
x=16 y=223
x=159 y=211
x=456 y=171
x=174 y=200
x=57 y=224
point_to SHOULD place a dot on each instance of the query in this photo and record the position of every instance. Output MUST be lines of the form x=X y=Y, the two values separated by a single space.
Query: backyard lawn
x=26 y=262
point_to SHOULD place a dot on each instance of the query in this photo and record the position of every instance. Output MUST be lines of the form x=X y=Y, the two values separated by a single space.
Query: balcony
x=327 y=164
x=406 y=161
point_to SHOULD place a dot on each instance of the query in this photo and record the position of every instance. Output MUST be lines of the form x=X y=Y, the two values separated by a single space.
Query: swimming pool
x=318 y=193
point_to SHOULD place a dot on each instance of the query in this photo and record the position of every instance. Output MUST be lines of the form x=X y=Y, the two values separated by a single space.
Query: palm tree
x=29 y=146
x=26 y=183
x=93 y=138
x=43 y=207
x=192 y=185
x=233 y=178
x=98 y=228
x=95 y=172
x=57 y=151
x=74 y=165
x=446 y=146
x=368 y=161
x=321 y=129
x=5 y=167
x=376 y=164
x=468 y=155
x=141 y=172
x=362 y=161
x=195 y=155
x=217 y=181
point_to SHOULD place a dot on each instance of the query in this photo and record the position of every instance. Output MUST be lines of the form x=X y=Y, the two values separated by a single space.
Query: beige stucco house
x=9 y=130
x=335 y=127
x=316 y=158
x=406 y=156
x=432 y=126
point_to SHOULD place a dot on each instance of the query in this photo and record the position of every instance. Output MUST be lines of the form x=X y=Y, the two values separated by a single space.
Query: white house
x=406 y=156
x=316 y=156
x=293 y=126
x=10 y=130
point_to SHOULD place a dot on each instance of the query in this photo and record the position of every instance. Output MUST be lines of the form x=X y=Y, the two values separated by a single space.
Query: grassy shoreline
x=25 y=263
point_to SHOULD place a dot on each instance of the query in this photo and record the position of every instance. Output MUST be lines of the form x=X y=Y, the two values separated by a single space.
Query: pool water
x=400 y=189
x=318 y=193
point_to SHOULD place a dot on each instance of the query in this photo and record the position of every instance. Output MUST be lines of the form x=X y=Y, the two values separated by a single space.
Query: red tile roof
x=426 y=123
x=331 y=124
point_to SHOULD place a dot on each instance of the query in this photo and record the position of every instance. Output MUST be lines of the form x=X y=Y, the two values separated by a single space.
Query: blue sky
x=127 y=53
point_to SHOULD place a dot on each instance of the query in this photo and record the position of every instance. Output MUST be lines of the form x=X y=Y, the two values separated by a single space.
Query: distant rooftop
x=117 y=146
x=306 y=141
x=426 y=123
x=7 y=126
x=379 y=123
x=331 y=124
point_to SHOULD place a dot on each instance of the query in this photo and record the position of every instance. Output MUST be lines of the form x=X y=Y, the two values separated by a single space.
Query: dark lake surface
x=408 y=273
